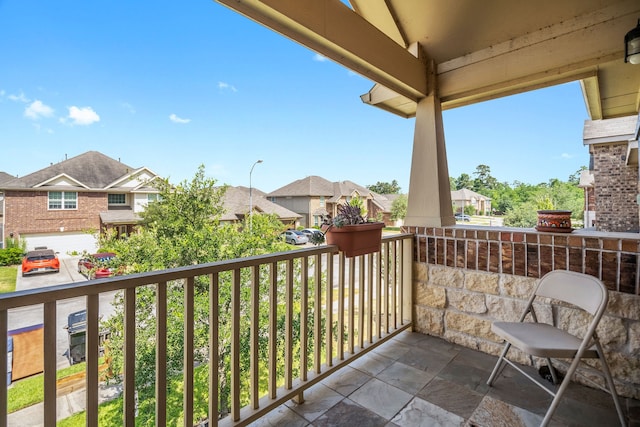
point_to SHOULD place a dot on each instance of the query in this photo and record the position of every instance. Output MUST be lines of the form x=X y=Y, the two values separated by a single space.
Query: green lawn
x=8 y=279
x=29 y=391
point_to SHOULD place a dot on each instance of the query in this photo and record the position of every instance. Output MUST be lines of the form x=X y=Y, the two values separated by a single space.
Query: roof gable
x=309 y=186
x=135 y=180
x=62 y=180
x=93 y=170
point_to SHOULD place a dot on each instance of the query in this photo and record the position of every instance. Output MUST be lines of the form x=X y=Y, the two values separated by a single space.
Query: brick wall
x=616 y=187
x=27 y=212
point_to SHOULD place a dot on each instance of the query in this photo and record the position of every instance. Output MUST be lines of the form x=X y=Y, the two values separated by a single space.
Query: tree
x=385 y=187
x=399 y=207
x=184 y=228
x=463 y=181
x=483 y=180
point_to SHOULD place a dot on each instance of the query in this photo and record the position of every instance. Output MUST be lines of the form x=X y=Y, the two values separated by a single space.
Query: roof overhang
x=467 y=51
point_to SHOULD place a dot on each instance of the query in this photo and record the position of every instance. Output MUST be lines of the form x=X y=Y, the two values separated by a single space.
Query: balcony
x=336 y=344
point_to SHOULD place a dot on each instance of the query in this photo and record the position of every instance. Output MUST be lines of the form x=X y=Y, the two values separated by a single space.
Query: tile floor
x=419 y=380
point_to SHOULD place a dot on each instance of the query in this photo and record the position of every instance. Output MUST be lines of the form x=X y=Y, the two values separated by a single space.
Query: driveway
x=33 y=315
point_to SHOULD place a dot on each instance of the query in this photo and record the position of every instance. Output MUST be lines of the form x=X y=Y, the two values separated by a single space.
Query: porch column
x=429 y=201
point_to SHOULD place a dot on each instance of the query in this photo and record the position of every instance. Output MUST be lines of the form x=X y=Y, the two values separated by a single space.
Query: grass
x=8 y=279
x=29 y=391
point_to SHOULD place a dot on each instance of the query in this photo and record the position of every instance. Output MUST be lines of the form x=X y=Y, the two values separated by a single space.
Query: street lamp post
x=251 y=192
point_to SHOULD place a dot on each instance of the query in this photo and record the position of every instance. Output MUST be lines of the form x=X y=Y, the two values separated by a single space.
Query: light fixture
x=632 y=45
x=251 y=194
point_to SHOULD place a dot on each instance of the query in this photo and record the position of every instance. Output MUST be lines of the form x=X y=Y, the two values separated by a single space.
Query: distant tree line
x=517 y=202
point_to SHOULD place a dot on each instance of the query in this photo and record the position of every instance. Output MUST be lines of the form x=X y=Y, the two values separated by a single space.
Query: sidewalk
x=67 y=405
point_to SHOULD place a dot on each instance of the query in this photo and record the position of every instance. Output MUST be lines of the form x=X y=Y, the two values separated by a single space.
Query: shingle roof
x=466 y=194
x=5 y=177
x=93 y=169
x=236 y=204
x=309 y=186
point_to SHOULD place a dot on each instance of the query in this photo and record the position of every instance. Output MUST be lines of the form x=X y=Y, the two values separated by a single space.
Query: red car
x=97 y=266
x=40 y=261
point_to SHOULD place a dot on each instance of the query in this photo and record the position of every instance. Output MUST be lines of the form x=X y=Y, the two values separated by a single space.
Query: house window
x=153 y=197
x=117 y=199
x=322 y=201
x=63 y=200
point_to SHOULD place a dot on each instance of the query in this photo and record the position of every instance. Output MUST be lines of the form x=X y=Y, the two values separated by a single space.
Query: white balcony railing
x=337 y=309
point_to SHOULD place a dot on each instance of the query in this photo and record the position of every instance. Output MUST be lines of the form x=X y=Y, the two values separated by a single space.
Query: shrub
x=11 y=256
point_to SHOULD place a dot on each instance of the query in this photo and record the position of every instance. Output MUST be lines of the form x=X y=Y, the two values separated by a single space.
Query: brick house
x=464 y=197
x=313 y=196
x=62 y=206
x=236 y=206
x=611 y=184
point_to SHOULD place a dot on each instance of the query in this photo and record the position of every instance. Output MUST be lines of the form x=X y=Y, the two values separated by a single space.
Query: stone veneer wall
x=466 y=278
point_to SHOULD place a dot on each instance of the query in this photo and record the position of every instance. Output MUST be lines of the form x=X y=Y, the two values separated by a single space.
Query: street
x=33 y=315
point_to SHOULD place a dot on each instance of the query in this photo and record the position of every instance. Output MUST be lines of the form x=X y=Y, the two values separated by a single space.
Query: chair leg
x=552 y=370
x=610 y=384
x=499 y=364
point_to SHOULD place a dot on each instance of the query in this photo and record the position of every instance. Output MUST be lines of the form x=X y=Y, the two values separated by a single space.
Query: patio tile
x=281 y=416
x=318 y=399
x=512 y=387
x=420 y=413
x=346 y=380
x=381 y=398
x=426 y=360
x=471 y=369
x=492 y=412
x=452 y=397
x=405 y=377
x=348 y=413
x=371 y=364
x=393 y=349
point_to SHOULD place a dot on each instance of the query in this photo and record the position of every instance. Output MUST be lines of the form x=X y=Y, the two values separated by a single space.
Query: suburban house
x=63 y=205
x=3 y=178
x=236 y=205
x=460 y=199
x=313 y=196
x=611 y=183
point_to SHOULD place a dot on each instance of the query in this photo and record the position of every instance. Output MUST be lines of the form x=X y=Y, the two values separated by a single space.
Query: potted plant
x=350 y=231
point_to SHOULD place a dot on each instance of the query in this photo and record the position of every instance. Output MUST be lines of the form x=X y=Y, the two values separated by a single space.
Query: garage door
x=63 y=243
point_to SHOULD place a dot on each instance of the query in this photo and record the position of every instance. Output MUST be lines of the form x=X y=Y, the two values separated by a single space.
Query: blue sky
x=172 y=85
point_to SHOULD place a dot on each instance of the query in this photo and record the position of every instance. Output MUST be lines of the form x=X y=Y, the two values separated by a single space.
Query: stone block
x=469 y=325
x=462 y=339
x=445 y=276
x=431 y=296
x=624 y=305
x=429 y=321
x=420 y=272
x=470 y=302
x=505 y=309
x=634 y=339
x=517 y=286
x=482 y=282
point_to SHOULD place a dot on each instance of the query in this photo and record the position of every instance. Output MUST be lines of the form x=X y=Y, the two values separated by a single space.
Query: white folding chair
x=546 y=341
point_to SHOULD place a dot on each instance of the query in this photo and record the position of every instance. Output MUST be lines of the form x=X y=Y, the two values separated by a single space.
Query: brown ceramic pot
x=358 y=239
x=556 y=221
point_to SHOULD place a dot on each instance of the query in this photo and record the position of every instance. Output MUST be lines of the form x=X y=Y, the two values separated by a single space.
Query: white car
x=295 y=237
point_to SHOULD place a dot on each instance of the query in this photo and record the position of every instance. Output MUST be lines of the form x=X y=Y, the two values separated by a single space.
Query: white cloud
x=19 y=98
x=566 y=156
x=83 y=116
x=319 y=58
x=2 y=92
x=226 y=86
x=37 y=110
x=176 y=119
